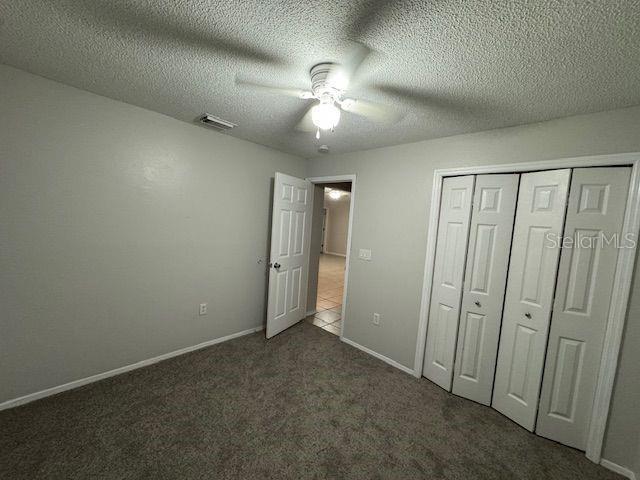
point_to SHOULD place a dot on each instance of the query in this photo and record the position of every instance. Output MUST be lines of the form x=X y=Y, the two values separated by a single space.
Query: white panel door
x=585 y=278
x=446 y=294
x=289 y=264
x=539 y=221
x=494 y=208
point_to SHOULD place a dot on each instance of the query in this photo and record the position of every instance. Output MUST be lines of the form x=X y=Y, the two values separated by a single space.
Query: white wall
x=394 y=185
x=623 y=430
x=116 y=223
x=337 y=227
x=116 y=226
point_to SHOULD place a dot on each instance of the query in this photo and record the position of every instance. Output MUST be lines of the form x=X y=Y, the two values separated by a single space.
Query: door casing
x=336 y=179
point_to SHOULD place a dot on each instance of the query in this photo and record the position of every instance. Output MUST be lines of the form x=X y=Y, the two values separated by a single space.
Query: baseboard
x=127 y=368
x=311 y=312
x=336 y=254
x=393 y=363
x=614 y=467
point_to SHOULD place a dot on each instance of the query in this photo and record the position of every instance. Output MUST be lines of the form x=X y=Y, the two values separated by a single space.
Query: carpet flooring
x=302 y=405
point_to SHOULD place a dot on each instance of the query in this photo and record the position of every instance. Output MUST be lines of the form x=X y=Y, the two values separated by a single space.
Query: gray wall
x=623 y=430
x=337 y=228
x=116 y=223
x=394 y=184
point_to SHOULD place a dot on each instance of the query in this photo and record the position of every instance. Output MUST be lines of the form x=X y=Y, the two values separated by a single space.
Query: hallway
x=330 y=290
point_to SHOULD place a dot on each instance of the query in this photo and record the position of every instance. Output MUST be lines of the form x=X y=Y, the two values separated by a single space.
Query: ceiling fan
x=329 y=81
x=329 y=84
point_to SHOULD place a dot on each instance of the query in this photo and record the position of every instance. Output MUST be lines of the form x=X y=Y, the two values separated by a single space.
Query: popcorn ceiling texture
x=474 y=65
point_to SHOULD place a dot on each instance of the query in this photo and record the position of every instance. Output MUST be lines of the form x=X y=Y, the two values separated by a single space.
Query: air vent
x=217 y=123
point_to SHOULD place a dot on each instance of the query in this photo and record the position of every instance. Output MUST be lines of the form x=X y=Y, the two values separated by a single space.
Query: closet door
x=585 y=278
x=446 y=293
x=532 y=276
x=494 y=207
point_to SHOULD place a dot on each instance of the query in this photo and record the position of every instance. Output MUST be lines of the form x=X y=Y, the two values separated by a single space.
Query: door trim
x=333 y=179
x=621 y=283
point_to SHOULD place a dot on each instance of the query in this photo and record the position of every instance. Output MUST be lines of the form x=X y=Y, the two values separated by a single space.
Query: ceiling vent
x=217 y=123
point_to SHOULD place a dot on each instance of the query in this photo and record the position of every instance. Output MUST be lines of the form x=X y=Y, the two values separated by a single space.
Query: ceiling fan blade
x=368 y=14
x=305 y=124
x=372 y=111
x=291 y=92
x=165 y=26
x=341 y=74
x=431 y=100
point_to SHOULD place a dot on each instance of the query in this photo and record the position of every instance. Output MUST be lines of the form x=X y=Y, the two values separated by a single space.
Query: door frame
x=325 y=214
x=335 y=179
x=621 y=283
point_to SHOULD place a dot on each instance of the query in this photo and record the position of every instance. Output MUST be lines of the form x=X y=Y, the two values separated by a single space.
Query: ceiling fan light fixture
x=335 y=194
x=325 y=115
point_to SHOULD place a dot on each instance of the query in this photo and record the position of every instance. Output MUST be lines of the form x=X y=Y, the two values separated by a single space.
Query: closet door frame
x=621 y=284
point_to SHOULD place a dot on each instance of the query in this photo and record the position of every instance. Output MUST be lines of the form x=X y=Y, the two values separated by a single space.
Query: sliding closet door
x=532 y=276
x=585 y=278
x=446 y=294
x=494 y=207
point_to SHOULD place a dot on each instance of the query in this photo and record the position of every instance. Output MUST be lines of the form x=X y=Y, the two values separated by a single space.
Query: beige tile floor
x=330 y=289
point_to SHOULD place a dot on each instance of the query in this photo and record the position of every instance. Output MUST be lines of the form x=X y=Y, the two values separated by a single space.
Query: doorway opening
x=298 y=239
x=329 y=255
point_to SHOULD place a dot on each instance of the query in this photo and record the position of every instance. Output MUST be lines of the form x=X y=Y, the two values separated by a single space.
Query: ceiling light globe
x=325 y=116
x=335 y=194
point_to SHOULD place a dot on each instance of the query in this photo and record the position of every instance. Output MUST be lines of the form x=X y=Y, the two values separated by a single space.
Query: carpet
x=302 y=405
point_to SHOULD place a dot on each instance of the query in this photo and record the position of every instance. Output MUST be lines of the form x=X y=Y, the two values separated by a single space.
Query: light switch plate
x=203 y=309
x=364 y=254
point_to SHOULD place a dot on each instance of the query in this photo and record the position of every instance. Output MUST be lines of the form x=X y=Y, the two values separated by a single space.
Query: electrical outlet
x=203 y=309
x=376 y=319
x=364 y=254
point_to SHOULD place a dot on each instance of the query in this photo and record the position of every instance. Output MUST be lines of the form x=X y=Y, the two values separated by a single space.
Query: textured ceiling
x=471 y=65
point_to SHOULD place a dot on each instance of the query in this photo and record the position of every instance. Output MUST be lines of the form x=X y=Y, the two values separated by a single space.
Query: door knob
x=528 y=315
x=276 y=265
x=477 y=303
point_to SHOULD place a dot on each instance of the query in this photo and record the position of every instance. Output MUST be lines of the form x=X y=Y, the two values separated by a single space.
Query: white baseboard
x=614 y=467
x=127 y=368
x=393 y=363
x=311 y=312
x=336 y=254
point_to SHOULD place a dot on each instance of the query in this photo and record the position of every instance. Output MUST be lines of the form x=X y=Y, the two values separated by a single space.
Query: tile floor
x=330 y=288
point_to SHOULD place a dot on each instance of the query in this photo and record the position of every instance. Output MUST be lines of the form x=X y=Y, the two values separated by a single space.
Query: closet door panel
x=492 y=217
x=585 y=278
x=446 y=294
x=531 y=282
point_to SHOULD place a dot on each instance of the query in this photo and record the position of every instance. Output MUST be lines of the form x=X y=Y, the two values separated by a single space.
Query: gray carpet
x=301 y=405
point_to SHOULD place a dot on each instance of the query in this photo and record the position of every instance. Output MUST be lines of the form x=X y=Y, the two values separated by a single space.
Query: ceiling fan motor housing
x=320 y=85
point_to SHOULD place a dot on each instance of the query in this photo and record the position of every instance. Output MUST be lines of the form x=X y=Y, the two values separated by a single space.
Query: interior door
x=585 y=278
x=494 y=207
x=530 y=287
x=446 y=294
x=289 y=263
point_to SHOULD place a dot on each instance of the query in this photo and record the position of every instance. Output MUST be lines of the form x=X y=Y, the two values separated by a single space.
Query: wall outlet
x=364 y=254
x=203 y=309
x=376 y=319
